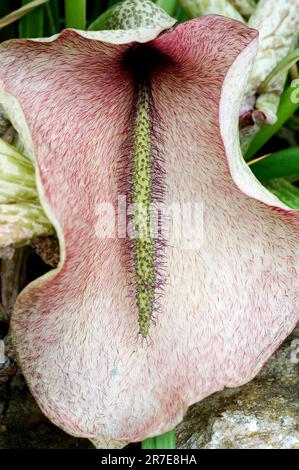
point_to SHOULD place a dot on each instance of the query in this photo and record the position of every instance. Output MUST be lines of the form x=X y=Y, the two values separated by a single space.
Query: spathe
x=226 y=305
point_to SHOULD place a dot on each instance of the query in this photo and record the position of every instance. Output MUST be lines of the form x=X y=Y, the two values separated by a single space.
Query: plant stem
x=149 y=443
x=166 y=441
x=286 y=109
x=75 y=14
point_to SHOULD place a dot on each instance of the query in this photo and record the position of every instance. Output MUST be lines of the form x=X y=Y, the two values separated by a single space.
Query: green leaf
x=97 y=9
x=277 y=165
x=167 y=5
x=180 y=15
x=52 y=16
x=285 y=191
x=32 y=25
x=289 y=103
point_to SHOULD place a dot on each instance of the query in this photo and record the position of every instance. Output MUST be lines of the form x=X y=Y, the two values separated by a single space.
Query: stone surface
x=261 y=414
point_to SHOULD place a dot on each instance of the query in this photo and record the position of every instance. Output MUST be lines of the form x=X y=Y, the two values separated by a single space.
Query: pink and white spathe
x=226 y=306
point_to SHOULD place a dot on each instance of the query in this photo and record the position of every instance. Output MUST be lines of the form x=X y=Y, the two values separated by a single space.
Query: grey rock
x=264 y=414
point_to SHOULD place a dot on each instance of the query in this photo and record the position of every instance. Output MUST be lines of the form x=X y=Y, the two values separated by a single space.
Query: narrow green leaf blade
x=285 y=191
x=32 y=25
x=15 y=15
x=52 y=16
x=277 y=165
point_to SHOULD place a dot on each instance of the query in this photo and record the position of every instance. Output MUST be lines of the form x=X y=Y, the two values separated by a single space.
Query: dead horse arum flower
x=95 y=124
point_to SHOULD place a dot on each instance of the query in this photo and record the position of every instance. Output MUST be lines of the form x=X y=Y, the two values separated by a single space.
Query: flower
x=153 y=117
